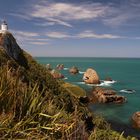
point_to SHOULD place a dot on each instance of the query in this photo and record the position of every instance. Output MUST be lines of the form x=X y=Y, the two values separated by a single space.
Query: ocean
x=126 y=75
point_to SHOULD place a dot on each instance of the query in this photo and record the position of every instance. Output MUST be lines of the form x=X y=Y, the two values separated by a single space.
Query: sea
x=125 y=73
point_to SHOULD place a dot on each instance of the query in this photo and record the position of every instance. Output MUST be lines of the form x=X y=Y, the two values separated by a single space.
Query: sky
x=75 y=28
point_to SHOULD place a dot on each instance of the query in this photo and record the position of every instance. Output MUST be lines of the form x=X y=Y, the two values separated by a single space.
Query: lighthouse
x=4 y=26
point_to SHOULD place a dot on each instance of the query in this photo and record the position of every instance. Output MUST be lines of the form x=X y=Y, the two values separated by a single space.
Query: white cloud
x=90 y=34
x=19 y=15
x=58 y=35
x=24 y=37
x=67 y=11
x=38 y=43
x=124 y=14
x=25 y=34
x=60 y=13
x=84 y=34
x=44 y=24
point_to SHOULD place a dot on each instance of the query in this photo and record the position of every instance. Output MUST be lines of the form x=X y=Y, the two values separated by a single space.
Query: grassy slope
x=34 y=105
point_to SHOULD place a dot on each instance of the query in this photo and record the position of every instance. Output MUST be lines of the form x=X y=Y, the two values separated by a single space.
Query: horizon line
x=86 y=57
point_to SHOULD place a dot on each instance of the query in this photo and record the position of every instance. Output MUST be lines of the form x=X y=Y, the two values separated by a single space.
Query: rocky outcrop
x=48 y=66
x=60 y=66
x=74 y=70
x=136 y=120
x=91 y=77
x=56 y=74
x=9 y=44
x=84 y=99
x=103 y=95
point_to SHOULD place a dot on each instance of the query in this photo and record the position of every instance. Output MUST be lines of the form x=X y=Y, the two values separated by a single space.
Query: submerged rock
x=104 y=95
x=91 y=77
x=74 y=70
x=136 y=120
x=108 y=79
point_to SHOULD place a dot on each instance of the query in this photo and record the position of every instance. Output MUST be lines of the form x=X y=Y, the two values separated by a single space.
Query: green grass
x=74 y=90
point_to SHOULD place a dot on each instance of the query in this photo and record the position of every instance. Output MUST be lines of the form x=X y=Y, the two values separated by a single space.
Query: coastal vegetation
x=35 y=105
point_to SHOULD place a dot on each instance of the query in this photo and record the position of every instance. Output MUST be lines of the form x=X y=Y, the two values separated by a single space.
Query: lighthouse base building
x=4 y=27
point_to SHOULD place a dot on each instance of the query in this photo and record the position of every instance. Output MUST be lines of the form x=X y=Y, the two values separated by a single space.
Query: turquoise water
x=126 y=71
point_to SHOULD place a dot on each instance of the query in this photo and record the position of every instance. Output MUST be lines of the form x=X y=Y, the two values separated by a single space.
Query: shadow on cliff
x=9 y=44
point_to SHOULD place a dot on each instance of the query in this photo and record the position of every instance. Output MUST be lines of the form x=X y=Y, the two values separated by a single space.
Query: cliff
x=9 y=44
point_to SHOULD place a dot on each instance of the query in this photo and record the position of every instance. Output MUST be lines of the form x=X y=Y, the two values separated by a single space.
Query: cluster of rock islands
x=101 y=95
x=98 y=94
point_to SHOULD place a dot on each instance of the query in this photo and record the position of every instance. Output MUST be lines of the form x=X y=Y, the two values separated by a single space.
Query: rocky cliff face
x=9 y=44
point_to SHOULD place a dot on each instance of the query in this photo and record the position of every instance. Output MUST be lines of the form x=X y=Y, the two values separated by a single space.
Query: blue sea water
x=126 y=73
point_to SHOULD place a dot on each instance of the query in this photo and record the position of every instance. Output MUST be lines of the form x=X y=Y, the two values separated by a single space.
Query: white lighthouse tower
x=4 y=26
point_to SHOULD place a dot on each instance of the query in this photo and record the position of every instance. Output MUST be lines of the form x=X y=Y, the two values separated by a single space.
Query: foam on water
x=127 y=91
x=65 y=78
x=82 y=83
x=103 y=83
x=109 y=82
x=66 y=68
x=81 y=72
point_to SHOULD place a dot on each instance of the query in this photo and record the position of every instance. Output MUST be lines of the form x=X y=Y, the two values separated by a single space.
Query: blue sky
x=81 y=28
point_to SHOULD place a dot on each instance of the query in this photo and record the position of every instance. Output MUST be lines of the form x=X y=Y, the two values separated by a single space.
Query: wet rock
x=74 y=70
x=91 y=77
x=84 y=100
x=104 y=95
x=56 y=74
x=136 y=120
x=108 y=79
x=48 y=66
x=60 y=66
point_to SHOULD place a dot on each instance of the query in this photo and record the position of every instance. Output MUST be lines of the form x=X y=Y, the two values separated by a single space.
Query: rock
x=84 y=100
x=60 y=66
x=74 y=70
x=9 y=44
x=48 y=66
x=91 y=77
x=136 y=120
x=104 y=95
x=56 y=74
x=89 y=123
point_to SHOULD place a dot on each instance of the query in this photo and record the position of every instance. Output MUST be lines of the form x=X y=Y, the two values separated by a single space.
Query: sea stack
x=73 y=70
x=91 y=77
x=136 y=120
